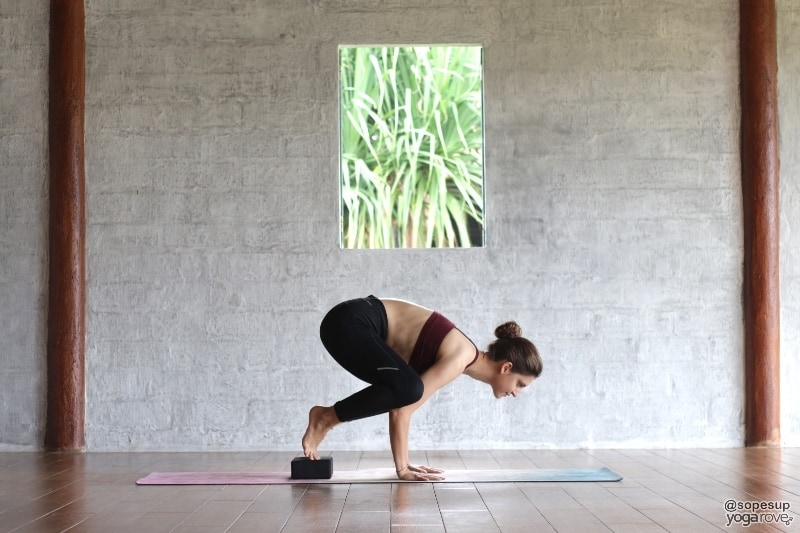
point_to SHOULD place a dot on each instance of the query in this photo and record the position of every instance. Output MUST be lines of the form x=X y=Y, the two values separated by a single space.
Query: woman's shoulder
x=457 y=343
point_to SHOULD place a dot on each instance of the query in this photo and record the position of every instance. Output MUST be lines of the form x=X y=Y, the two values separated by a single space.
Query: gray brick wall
x=613 y=207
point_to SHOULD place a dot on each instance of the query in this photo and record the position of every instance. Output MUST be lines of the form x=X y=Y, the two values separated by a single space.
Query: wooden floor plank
x=662 y=490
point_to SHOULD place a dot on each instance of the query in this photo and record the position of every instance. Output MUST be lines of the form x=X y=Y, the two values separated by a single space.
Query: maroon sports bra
x=423 y=356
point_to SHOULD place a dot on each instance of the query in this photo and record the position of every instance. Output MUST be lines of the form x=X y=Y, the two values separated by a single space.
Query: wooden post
x=760 y=180
x=67 y=284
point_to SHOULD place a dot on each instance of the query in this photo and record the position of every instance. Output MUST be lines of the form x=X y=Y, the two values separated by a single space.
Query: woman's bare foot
x=320 y=421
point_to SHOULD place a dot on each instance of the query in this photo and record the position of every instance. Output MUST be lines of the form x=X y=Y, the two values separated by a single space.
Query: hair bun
x=508 y=330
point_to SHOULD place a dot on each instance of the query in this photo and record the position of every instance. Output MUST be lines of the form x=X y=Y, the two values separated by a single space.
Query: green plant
x=411 y=146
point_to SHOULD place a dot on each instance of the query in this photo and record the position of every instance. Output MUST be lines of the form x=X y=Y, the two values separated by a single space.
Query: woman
x=406 y=353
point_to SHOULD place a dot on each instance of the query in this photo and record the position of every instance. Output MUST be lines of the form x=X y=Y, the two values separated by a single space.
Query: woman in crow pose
x=406 y=353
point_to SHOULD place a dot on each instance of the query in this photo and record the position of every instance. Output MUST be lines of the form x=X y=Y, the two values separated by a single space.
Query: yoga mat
x=380 y=475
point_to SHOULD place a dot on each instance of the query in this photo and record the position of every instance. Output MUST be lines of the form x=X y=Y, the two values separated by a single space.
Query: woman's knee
x=412 y=392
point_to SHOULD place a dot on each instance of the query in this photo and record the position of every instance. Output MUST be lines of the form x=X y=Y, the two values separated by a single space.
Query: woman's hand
x=420 y=473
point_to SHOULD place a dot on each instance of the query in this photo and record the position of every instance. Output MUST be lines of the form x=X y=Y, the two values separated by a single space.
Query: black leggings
x=354 y=332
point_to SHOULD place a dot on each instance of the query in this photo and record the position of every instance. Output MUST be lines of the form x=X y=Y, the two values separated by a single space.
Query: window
x=411 y=146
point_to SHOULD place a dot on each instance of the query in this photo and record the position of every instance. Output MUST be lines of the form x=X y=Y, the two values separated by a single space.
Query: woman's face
x=509 y=383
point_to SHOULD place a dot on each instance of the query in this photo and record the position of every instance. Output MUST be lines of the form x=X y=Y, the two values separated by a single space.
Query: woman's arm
x=436 y=377
x=399 y=421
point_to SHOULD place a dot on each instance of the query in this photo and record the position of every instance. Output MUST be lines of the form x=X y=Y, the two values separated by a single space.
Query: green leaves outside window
x=411 y=145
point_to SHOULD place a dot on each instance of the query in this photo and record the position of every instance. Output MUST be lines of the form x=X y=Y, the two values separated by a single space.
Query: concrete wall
x=613 y=223
x=789 y=115
x=23 y=221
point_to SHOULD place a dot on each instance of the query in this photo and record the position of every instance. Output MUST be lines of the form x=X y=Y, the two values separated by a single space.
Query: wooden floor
x=663 y=490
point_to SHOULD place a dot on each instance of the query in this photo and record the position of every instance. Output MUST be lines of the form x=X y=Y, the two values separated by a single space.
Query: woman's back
x=405 y=321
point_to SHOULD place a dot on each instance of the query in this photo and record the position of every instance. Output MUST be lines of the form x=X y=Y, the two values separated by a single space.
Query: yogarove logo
x=747 y=512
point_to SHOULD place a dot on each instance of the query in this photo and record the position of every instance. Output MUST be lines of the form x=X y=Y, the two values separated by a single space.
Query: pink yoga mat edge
x=381 y=475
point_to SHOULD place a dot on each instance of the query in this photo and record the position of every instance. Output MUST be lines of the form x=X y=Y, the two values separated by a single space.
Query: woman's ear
x=506 y=367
